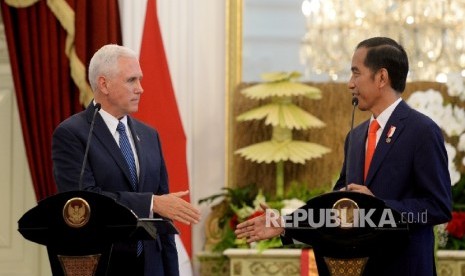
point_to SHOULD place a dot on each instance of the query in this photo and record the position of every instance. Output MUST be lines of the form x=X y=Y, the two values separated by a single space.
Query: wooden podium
x=80 y=227
x=355 y=227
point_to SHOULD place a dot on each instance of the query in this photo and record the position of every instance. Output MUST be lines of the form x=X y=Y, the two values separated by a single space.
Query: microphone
x=354 y=102
x=89 y=137
x=349 y=142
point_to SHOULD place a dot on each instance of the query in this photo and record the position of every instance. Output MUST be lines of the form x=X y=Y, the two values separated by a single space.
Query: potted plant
x=284 y=116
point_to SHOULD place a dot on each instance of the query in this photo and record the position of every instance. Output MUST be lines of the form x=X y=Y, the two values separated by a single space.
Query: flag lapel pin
x=390 y=133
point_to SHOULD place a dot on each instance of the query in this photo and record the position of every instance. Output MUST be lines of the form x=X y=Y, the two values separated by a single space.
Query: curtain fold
x=46 y=54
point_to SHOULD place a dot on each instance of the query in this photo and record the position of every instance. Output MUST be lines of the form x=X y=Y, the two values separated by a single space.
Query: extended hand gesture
x=172 y=206
x=256 y=229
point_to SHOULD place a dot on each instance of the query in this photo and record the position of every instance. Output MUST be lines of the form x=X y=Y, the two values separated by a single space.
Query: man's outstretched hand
x=256 y=229
x=172 y=206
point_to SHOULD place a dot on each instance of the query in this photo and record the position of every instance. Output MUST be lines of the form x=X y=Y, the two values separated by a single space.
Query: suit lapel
x=102 y=133
x=384 y=144
x=358 y=154
x=140 y=153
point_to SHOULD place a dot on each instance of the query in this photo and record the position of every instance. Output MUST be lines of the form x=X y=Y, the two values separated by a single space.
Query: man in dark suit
x=409 y=166
x=139 y=181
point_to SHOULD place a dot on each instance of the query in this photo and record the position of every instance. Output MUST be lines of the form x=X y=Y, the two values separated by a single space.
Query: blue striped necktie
x=129 y=157
x=127 y=153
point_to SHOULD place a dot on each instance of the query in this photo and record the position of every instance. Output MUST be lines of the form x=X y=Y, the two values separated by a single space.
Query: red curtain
x=97 y=23
x=45 y=90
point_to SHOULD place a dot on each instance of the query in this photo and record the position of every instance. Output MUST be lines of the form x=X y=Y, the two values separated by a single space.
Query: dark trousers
x=124 y=261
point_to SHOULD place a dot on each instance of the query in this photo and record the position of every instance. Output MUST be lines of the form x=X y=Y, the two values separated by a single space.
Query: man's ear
x=102 y=84
x=383 y=77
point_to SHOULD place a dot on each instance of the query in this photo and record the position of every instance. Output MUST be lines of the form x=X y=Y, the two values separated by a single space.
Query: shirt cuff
x=151 y=207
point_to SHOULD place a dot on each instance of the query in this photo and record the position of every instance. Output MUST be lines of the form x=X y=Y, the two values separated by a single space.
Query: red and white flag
x=159 y=109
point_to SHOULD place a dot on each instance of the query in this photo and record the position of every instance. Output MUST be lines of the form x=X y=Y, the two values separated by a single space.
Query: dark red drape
x=46 y=93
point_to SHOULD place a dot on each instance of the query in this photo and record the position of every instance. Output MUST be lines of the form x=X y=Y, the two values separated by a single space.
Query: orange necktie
x=371 y=145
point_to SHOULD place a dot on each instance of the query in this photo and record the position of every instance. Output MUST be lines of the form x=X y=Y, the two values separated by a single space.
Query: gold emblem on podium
x=76 y=212
x=347 y=209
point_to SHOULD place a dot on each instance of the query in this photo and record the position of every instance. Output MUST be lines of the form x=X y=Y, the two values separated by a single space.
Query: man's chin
x=362 y=107
x=134 y=110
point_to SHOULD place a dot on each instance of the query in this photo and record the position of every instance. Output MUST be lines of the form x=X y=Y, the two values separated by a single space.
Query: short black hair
x=384 y=52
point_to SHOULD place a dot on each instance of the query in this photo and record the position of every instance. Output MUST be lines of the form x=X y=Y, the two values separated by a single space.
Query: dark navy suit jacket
x=107 y=173
x=410 y=173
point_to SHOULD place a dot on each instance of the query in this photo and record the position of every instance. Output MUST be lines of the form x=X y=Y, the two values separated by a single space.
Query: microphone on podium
x=349 y=142
x=89 y=137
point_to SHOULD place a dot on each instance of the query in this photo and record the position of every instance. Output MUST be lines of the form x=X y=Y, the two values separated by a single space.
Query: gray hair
x=104 y=62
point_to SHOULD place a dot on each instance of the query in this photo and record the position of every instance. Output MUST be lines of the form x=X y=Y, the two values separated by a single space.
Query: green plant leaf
x=271 y=151
x=270 y=243
x=283 y=115
x=281 y=89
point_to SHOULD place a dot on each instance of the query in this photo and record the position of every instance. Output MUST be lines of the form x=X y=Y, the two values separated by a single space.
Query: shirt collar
x=386 y=114
x=111 y=121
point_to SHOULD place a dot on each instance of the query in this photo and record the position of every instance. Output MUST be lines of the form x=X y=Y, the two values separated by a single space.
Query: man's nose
x=139 y=89
x=351 y=84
